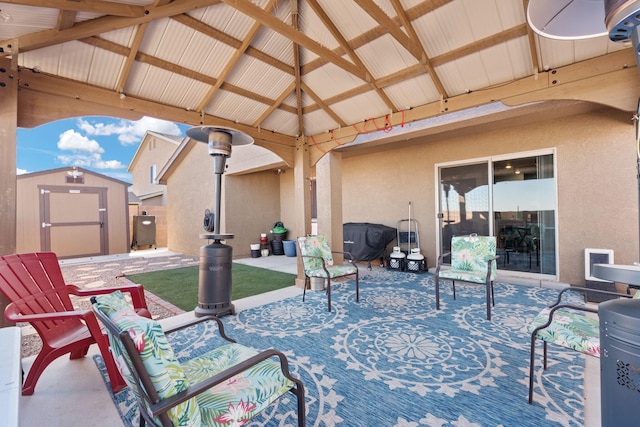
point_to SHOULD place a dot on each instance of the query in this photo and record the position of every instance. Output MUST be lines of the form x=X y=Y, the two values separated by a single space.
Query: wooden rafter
x=231 y=63
x=296 y=67
x=295 y=36
x=105 y=24
x=406 y=23
x=323 y=105
x=131 y=57
x=392 y=28
x=174 y=68
x=66 y=19
x=232 y=42
x=91 y=6
x=532 y=42
x=275 y=105
x=368 y=36
x=345 y=46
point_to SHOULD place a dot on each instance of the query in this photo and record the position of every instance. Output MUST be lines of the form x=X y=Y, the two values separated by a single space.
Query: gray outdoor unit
x=144 y=231
x=620 y=362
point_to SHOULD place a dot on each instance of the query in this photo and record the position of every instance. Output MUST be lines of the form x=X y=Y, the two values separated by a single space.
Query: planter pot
x=289 y=247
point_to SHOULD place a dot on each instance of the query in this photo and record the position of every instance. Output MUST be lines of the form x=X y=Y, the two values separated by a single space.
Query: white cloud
x=73 y=141
x=89 y=161
x=21 y=171
x=129 y=132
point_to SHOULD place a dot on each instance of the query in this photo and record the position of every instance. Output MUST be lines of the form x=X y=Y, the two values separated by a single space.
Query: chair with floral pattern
x=317 y=258
x=568 y=324
x=473 y=260
x=226 y=386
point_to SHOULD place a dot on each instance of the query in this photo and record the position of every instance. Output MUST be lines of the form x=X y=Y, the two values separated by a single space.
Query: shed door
x=74 y=221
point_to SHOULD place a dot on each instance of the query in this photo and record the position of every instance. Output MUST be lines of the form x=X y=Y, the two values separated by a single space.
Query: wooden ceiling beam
x=487 y=42
x=72 y=91
x=66 y=19
x=233 y=61
x=273 y=23
x=233 y=42
x=323 y=105
x=608 y=80
x=174 y=68
x=285 y=93
x=392 y=28
x=378 y=31
x=345 y=46
x=131 y=57
x=105 y=24
x=90 y=6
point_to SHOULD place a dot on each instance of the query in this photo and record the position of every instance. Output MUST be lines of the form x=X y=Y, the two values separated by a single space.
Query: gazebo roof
x=328 y=70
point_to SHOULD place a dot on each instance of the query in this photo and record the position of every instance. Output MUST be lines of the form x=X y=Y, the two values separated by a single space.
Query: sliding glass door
x=517 y=205
x=464 y=202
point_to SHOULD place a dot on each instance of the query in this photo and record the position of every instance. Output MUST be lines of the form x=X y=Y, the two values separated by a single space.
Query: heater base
x=201 y=311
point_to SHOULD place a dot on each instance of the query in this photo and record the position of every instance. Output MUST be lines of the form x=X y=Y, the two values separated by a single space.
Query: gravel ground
x=109 y=273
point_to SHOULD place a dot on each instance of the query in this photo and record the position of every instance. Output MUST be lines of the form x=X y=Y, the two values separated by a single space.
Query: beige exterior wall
x=28 y=208
x=597 y=187
x=251 y=204
x=154 y=150
x=596 y=183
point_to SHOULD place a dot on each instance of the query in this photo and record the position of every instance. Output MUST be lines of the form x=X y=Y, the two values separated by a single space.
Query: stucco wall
x=251 y=204
x=153 y=151
x=597 y=187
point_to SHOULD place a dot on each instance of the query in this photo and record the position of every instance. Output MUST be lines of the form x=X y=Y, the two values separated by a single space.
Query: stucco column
x=8 y=126
x=302 y=198
x=329 y=194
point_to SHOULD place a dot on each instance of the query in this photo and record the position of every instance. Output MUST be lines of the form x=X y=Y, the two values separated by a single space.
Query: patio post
x=8 y=180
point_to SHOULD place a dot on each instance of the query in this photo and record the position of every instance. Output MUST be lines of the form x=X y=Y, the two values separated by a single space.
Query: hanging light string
x=387 y=127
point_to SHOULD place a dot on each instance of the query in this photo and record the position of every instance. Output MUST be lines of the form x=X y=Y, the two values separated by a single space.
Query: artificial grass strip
x=179 y=286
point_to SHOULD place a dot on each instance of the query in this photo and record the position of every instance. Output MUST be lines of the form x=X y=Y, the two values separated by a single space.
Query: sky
x=104 y=145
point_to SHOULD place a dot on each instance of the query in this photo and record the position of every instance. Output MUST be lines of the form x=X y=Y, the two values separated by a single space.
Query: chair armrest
x=561 y=306
x=12 y=314
x=344 y=253
x=135 y=290
x=192 y=322
x=440 y=260
x=581 y=290
x=196 y=389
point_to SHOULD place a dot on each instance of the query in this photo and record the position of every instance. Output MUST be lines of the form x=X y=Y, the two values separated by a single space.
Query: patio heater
x=214 y=278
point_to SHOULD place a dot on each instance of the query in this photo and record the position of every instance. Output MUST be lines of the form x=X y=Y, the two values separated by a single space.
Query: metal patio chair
x=569 y=325
x=228 y=385
x=473 y=260
x=317 y=258
x=35 y=287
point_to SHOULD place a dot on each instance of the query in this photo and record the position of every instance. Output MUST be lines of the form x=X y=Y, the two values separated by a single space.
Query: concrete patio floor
x=72 y=392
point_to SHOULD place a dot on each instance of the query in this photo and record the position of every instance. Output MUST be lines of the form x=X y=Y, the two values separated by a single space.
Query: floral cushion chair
x=569 y=325
x=225 y=387
x=473 y=260
x=317 y=258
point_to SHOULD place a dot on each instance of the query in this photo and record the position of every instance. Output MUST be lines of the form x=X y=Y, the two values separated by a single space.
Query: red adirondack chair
x=34 y=285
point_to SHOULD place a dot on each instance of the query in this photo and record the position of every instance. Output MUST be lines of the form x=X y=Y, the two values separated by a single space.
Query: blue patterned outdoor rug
x=393 y=360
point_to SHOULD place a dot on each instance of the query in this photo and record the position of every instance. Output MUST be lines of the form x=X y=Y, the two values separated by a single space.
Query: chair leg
x=299 y=392
x=493 y=299
x=453 y=284
x=531 y=367
x=329 y=294
x=304 y=288
x=544 y=357
x=437 y=293
x=357 y=289
x=488 y=288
